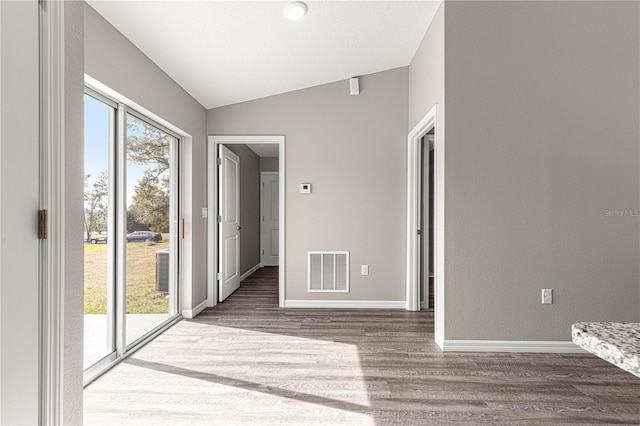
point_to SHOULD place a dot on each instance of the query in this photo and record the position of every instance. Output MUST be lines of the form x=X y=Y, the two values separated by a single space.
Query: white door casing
x=413 y=176
x=270 y=223
x=228 y=223
x=213 y=198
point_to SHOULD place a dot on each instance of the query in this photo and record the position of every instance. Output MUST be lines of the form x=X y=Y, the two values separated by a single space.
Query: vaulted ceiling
x=225 y=52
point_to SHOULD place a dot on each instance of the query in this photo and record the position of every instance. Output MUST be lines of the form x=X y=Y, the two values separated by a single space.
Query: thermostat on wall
x=305 y=188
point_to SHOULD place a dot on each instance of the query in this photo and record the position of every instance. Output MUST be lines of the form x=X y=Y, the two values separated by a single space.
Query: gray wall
x=249 y=206
x=269 y=164
x=114 y=61
x=426 y=89
x=19 y=136
x=542 y=122
x=74 y=199
x=426 y=73
x=352 y=149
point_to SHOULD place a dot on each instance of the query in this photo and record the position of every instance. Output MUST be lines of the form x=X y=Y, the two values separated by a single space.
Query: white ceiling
x=225 y=52
x=265 y=149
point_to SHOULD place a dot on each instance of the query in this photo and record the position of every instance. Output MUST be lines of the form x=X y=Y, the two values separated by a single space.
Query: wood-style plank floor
x=249 y=362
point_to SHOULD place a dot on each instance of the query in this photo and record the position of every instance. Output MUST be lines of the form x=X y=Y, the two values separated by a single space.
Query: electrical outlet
x=364 y=270
x=547 y=296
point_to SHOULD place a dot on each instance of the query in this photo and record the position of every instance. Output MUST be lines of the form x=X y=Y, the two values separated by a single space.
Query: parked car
x=144 y=236
x=97 y=239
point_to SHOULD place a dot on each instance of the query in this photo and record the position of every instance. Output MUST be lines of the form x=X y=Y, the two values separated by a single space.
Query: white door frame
x=212 y=232
x=428 y=122
x=262 y=211
x=52 y=199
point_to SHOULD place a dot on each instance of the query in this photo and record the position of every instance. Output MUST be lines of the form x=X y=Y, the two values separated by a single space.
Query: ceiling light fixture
x=295 y=10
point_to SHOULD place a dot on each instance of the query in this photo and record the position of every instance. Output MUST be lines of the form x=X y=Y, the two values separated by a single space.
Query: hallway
x=247 y=361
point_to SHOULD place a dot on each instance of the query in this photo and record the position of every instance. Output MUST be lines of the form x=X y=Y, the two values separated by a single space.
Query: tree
x=149 y=146
x=95 y=208
x=150 y=203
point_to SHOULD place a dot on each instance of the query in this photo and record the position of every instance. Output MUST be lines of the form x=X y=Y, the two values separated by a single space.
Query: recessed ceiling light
x=295 y=10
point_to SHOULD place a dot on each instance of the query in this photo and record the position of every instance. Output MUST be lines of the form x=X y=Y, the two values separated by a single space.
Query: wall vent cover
x=329 y=271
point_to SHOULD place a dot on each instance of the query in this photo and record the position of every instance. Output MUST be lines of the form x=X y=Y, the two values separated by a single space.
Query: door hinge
x=218 y=276
x=219 y=219
x=42 y=224
x=219 y=161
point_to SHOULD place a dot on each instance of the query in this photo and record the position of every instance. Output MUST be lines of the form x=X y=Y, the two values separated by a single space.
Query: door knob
x=239 y=228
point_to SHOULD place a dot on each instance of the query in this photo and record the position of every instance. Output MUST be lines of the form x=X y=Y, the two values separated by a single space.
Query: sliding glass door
x=151 y=227
x=98 y=286
x=132 y=211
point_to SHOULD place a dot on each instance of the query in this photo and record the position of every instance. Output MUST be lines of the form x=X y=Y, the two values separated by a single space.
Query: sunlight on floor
x=96 y=330
x=226 y=375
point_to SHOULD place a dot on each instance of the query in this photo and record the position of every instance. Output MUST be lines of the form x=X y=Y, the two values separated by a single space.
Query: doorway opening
x=425 y=198
x=246 y=205
x=131 y=243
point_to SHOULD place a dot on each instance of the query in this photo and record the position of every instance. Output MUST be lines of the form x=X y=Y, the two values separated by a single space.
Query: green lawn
x=142 y=297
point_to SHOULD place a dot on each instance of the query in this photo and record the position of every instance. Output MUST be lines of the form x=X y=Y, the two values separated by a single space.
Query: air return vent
x=329 y=271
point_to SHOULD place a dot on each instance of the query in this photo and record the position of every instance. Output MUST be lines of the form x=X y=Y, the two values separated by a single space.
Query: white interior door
x=270 y=229
x=228 y=223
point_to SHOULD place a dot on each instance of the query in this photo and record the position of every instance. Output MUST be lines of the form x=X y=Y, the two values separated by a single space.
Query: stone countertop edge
x=615 y=342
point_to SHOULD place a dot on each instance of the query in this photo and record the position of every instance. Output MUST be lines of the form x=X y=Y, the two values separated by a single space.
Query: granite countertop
x=616 y=342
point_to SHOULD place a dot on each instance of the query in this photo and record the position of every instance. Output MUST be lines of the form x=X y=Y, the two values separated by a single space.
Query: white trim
x=192 y=313
x=346 y=304
x=511 y=346
x=52 y=198
x=439 y=338
x=40 y=337
x=119 y=245
x=212 y=195
x=250 y=271
x=413 y=176
x=428 y=122
x=212 y=224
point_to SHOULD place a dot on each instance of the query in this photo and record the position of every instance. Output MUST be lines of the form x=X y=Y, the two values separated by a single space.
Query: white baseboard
x=439 y=340
x=250 y=271
x=192 y=313
x=567 y=347
x=346 y=304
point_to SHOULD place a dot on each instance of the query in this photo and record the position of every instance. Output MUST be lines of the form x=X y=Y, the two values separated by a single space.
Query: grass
x=142 y=297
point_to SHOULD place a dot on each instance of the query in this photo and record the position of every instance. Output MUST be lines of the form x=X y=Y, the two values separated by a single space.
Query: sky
x=96 y=146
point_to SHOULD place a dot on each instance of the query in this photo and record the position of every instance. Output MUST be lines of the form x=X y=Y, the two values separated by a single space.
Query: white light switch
x=364 y=270
x=205 y=212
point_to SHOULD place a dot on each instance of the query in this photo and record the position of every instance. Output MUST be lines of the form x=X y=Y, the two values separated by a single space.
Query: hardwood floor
x=248 y=362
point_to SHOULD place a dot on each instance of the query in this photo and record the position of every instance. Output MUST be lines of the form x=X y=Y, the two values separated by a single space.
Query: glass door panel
x=98 y=284
x=131 y=210
x=151 y=253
